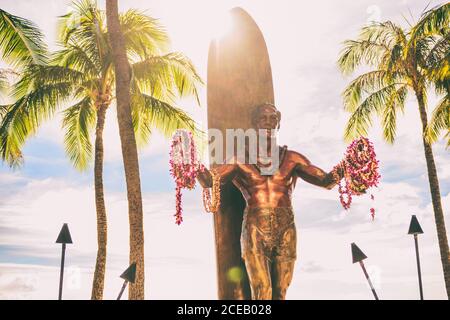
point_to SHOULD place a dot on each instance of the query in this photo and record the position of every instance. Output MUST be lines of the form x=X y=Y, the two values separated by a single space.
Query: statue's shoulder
x=296 y=156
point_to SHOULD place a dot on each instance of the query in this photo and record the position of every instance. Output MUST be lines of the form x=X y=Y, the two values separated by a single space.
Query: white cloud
x=36 y=215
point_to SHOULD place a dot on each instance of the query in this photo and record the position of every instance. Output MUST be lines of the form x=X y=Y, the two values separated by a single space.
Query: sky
x=304 y=39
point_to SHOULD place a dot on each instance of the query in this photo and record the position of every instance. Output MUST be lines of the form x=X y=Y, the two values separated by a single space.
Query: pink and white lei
x=184 y=166
x=361 y=172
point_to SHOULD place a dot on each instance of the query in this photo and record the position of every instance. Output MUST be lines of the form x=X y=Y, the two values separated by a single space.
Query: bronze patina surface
x=268 y=237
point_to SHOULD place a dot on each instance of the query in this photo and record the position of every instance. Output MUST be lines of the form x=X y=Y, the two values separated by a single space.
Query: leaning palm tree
x=399 y=66
x=82 y=76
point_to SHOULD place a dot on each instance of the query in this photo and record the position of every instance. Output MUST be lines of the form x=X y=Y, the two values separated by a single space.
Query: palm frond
x=358 y=52
x=434 y=21
x=439 y=122
x=378 y=44
x=361 y=118
x=7 y=78
x=186 y=78
x=21 y=42
x=442 y=82
x=83 y=31
x=24 y=116
x=386 y=33
x=79 y=22
x=4 y=83
x=144 y=36
x=163 y=76
x=367 y=82
x=394 y=61
x=389 y=113
x=436 y=64
x=78 y=122
x=36 y=76
x=74 y=57
x=149 y=112
x=3 y=111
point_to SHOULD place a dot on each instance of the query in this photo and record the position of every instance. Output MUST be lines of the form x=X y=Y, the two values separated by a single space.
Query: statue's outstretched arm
x=314 y=175
x=226 y=173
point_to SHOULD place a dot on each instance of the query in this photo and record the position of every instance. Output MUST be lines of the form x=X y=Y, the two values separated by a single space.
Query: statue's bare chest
x=250 y=175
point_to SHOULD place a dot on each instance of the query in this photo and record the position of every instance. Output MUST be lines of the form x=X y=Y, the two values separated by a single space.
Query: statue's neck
x=270 y=145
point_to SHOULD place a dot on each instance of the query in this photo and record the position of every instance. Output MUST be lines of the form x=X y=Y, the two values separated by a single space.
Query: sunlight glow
x=220 y=23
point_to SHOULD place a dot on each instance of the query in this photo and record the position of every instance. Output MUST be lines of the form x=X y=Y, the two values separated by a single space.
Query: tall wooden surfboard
x=239 y=78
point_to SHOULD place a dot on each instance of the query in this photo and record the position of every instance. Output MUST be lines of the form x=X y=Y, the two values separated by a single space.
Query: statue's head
x=266 y=116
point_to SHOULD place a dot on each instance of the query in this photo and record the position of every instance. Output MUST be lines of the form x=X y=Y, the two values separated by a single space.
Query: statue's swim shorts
x=269 y=232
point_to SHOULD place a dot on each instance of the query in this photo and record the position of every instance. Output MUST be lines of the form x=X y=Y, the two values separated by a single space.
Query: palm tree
x=400 y=65
x=82 y=76
x=129 y=148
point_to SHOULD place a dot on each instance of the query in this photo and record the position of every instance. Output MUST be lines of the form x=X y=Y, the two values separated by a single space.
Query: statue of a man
x=268 y=238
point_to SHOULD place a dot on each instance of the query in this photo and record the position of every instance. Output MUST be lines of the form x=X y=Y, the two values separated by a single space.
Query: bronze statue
x=268 y=238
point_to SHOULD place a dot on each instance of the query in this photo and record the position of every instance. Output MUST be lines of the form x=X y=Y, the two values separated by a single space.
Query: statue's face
x=267 y=118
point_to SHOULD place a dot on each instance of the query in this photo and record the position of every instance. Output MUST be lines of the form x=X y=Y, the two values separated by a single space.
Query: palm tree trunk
x=435 y=196
x=99 y=274
x=129 y=148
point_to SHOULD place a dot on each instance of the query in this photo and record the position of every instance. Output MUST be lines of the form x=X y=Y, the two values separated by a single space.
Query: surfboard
x=239 y=77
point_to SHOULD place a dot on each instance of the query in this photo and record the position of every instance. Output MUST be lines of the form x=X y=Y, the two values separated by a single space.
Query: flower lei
x=214 y=204
x=360 y=172
x=184 y=166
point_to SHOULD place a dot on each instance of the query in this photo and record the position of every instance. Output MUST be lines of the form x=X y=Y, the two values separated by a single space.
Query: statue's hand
x=204 y=177
x=338 y=172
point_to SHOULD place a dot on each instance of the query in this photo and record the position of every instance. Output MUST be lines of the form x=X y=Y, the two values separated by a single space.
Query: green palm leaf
x=83 y=31
x=379 y=44
x=367 y=82
x=78 y=122
x=435 y=20
x=357 y=52
x=361 y=118
x=162 y=76
x=389 y=113
x=76 y=58
x=143 y=35
x=21 y=42
x=3 y=110
x=149 y=112
x=36 y=76
x=437 y=64
x=4 y=83
x=439 y=122
x=23 y=117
